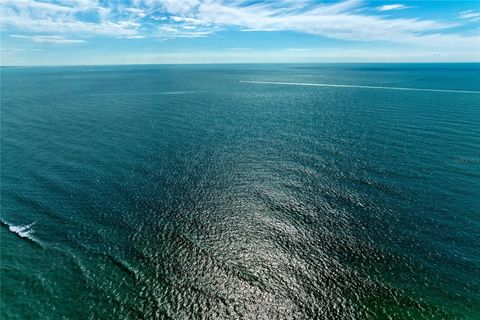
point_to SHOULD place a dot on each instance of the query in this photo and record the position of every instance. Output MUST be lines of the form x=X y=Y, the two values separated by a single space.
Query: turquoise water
x=241 y=192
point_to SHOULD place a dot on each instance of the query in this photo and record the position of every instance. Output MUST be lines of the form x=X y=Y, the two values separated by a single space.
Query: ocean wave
x=23 y=231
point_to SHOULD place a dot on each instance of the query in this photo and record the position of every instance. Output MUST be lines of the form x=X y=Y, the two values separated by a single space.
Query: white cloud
x=49 y=39
x=389 y=7
x=132 y=37
x=339 y=20
x=12 y=51
x=166 y=19
x=469 y=15
x=170 y=31
x=34 y=16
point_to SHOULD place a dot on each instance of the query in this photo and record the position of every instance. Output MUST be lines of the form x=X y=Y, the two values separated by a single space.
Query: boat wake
x=357 y=86
x=148 y=93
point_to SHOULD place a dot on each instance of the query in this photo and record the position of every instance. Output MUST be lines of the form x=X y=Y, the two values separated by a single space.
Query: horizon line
x=239 y=63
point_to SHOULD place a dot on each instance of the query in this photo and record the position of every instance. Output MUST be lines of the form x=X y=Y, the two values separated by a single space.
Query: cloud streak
x=470 y=15
x=390 y=7
x=34 y=16
x=167 y=19
x=49 y=39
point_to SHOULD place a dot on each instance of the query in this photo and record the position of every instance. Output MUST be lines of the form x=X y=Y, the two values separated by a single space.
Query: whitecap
x=23 y=231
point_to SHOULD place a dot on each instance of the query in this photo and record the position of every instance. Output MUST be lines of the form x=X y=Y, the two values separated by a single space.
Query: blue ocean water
x=241 y=192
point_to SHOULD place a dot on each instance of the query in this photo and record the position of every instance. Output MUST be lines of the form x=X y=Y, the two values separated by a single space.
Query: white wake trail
x=357 y=86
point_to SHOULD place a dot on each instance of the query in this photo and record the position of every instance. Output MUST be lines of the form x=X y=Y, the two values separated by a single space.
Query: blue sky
x=64 y=32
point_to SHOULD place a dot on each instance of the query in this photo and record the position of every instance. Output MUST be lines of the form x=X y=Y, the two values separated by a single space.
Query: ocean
x=255 y=191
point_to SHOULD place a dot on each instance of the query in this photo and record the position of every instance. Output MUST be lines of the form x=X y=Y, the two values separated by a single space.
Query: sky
x=84 y=32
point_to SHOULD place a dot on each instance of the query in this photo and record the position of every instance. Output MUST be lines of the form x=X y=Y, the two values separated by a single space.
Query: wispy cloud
x=470 y=15
x=49 y=39
x=390 y=7
x=167 y=19
x=340 y=20
x=174 y=26
x=65 y=17
x=17 y=50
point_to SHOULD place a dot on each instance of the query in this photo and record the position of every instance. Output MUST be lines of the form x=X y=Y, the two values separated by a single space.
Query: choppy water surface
x=241 y=192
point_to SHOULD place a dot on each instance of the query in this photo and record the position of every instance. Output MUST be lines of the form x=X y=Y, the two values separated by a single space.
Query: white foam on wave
x=357 y=86
x=24 y=231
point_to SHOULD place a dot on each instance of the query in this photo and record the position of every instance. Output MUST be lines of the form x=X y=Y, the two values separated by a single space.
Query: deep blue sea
x=294 y=191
